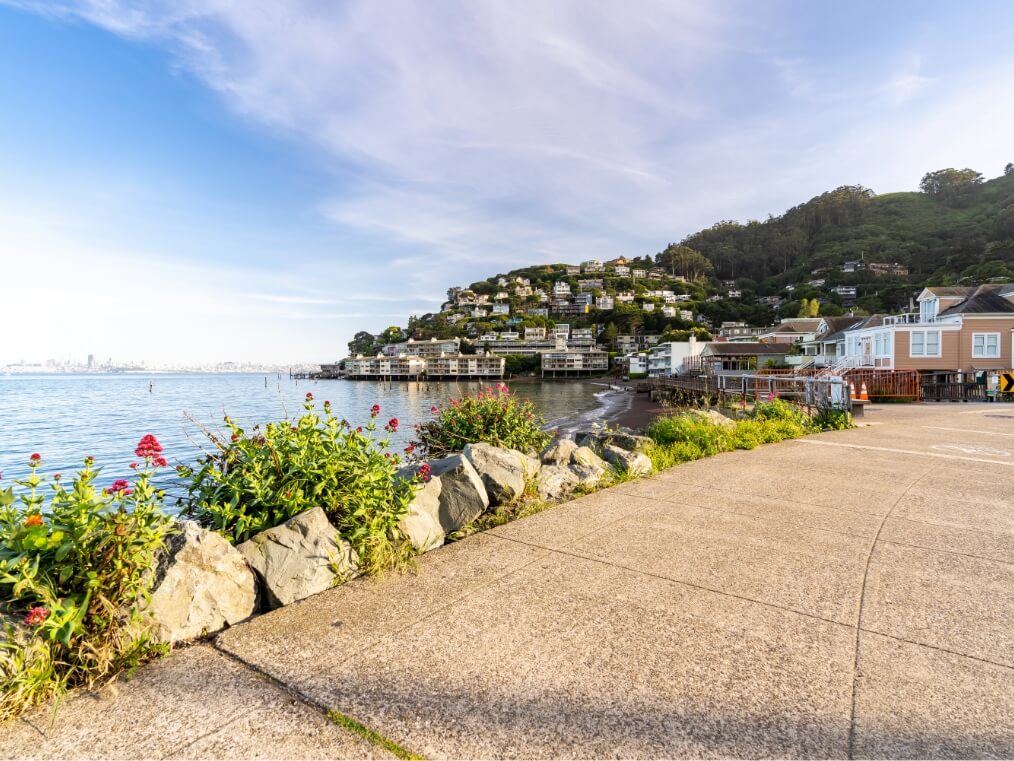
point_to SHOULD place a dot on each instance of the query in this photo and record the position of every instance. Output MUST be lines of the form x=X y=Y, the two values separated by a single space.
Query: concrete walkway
x=847 y=595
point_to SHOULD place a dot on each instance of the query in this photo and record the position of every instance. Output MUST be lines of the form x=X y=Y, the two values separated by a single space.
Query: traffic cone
x=863 y=396
x=852 y=389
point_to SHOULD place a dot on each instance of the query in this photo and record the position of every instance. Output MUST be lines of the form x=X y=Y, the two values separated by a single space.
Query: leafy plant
x=74 y=570
x=254 y=482
x=494 y=416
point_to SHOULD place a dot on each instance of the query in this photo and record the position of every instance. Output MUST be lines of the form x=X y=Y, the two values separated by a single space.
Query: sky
x=246 y=180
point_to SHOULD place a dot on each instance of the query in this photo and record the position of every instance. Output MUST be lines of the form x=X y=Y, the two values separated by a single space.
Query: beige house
x=956 y=333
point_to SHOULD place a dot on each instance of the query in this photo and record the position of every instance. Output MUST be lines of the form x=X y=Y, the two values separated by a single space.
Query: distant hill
x=959 y=228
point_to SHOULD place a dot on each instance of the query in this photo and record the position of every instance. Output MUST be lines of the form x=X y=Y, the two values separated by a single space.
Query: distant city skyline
x=190 y=182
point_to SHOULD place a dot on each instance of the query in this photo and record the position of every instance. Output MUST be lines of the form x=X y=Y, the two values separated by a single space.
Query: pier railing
x=805 y=390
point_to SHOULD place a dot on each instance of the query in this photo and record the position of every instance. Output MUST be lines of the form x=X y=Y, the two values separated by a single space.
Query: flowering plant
x=73 y=569
x=254 y=481
x=494 y=416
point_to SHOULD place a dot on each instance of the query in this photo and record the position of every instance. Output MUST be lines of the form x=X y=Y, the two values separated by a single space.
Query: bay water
x=65 y=418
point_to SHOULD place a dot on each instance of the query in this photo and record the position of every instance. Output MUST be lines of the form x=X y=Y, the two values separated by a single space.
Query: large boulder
x=421 y=523
x=634 y=463
x=631 y=442
x=463 y=496
x=587 y=457
x=504 y=472
x=299 y=558
x=556 y=482
x=559 y=451
x=588 y=475
x=202 y=584
x=713 y=416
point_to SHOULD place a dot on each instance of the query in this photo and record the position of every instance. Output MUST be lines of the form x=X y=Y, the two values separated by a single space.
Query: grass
x=372 y=736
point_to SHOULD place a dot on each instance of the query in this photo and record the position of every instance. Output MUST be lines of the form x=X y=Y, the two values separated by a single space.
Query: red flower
x=89 y=460
x=134 y=466
x=161 y=461
x=410 y=449
x=119 y=485
x=434 y=410
x=392 y=424
x=36 y=616
x=359 y=429
x=33 y=520
x=57 y=476
x=35 y=456
x=148 y=447
x=424 y=471
x=375 y=410
x=309 y=396
x=235 y=437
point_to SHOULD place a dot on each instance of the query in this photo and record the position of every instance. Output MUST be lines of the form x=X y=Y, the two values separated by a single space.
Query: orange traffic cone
x=862 y=393
x=852 y=389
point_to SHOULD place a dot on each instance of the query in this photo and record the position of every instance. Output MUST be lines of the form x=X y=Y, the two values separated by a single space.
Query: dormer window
x=928 y=310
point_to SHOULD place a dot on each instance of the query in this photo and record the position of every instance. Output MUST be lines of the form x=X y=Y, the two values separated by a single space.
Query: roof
x=993 y=298
x=836 y=327
x=950 y=291
x=743 y=348
x=797 y=325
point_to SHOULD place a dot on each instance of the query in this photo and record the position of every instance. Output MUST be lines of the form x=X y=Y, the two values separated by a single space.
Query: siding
x=956 y=347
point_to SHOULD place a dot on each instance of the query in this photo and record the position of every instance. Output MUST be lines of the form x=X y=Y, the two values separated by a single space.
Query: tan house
x=956 y=333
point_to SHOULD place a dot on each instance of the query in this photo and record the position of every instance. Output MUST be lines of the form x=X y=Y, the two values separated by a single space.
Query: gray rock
x=463 y=496
x=559 y=451
x=202 y=584
x=631 y=442
x=633 y=462
x=590 y=439
x=422 y=522
x=586 y=456
x=299 y=558
x=588 y=475
x=556 y=482
x=713 y=416
x=504 y=472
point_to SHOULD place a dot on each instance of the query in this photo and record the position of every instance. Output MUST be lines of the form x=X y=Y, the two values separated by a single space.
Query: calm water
x=66 y=417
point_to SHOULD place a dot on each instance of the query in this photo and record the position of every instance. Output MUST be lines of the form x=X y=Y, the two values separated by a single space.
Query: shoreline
x=619 y=405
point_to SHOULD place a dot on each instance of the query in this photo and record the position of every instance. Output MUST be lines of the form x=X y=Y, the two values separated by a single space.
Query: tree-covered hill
x=957 y=224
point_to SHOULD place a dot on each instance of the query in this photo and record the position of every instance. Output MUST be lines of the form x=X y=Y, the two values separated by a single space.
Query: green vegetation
x=74 y=569
x=691 y=436
x=494 y=416
x=256 y=481
x=372 y=736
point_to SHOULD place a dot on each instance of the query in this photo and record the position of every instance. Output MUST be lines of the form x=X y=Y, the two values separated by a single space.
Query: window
x=986 y=345
x=925 y=343
x=928 y=310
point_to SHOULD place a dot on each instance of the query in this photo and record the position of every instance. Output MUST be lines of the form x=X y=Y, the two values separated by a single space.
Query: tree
x=804 y=308
x=392 y=335
x=362 y=343
x=814 y=310
x=955 y=187
x=609 y=336
x=1009 y=169
x=684 y=261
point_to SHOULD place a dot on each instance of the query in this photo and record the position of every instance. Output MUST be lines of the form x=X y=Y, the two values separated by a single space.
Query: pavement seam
x=859 y=615
x=946 y=552
x=304 y=699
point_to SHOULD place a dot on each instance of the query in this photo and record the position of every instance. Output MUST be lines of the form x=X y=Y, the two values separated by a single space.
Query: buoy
x=852 y=389
x=862 y=393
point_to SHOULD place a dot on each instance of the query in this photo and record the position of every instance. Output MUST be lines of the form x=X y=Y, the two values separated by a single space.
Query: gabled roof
x=836 y=327
x=993 y=298
x=797 y=325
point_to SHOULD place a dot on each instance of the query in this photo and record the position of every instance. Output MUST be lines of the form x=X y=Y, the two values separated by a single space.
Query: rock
x=299 y=558
x=556 y=481
x=504 y=472
x=422 y=522
x=559 y=451
x=463 y=496
x=713 y=416
x=588 y=475
x=586 y=456
x=202 y=584
x=588 y=439
x=631 y=442
x=633 y=462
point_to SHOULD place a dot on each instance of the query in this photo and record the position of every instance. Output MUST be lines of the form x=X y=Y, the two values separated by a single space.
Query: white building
x=501 y=309
x=605 y=302
x=665 y=359
x=561 y=289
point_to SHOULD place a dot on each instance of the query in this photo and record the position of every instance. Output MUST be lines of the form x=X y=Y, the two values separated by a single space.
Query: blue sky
x=227 y=179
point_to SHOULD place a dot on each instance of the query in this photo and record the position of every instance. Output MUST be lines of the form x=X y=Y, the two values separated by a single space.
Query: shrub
x=779 y=409
x=706 y=436
x=494 y=416
x=257 y=481
x=74 y=570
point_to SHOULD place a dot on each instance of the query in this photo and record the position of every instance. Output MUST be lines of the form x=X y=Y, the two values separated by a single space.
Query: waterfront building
x=792 y=330
x=668 y=358
x=574 y=363
x=466 y=366
x=385 y=367
x=432 y=348
x=737 y=357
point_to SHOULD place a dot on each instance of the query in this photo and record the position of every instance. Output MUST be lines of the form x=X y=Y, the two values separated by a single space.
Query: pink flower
x=148 y=447
x=119 y=485
x=309 y=396
x=424 y=471
x=375 y=410
x=36 y=616
x=434 y=410
x=392 y=424
x=161 y=461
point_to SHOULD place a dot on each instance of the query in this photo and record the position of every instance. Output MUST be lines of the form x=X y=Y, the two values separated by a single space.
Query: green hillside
x=959 y=229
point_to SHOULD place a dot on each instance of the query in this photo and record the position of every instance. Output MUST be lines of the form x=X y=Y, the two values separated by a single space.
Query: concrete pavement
x=846 y=595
